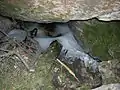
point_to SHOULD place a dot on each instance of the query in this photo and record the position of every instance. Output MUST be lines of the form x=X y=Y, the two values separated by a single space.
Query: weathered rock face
x=60 y=10
x=109 y=87
x=110 y=71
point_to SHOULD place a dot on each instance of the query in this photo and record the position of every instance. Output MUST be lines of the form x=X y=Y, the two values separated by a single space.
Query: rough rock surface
x=5 y=25
x=110 y=71
x=60 y=10
x=109 y=87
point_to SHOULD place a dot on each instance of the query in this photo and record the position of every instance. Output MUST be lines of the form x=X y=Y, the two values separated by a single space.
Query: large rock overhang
x=60 y=10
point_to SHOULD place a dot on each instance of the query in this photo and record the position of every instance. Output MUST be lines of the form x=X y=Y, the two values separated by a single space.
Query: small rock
x=109 y=87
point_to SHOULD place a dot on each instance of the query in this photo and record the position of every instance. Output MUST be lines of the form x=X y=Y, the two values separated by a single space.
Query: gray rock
x=5 y=25
x=62 y=10
x=18 y=34
x=44 y=42
x=109 y=87
x=110 y=71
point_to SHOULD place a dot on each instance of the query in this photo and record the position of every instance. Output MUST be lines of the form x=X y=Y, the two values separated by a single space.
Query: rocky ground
x=103 y=41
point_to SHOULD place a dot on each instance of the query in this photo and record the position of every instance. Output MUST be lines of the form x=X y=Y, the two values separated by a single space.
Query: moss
x=84 y=87
x=103 y=38
x=11 y=10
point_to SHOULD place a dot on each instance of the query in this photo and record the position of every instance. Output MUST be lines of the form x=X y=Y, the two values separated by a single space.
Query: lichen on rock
x=60 y=11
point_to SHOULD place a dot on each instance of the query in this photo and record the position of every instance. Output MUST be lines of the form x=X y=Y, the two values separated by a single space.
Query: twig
x=7 y=54
x=14 y=52
x=69 y=70
x=18 y=55
x=1 y=49
x=23 y=61
x=11 y=39
x=4 y=33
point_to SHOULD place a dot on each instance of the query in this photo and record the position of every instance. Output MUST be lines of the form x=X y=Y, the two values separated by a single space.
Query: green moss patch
x=103 y=38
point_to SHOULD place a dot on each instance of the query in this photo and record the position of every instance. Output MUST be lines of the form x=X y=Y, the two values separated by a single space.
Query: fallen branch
x=23 y=61
x=69 y=70
x=1 y=49
x=16 y=54
x=4 y=33
x=7 y=54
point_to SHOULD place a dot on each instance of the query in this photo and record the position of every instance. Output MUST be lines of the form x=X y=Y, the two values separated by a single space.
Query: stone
x=109 y=87
x=110 y=71
x=60 y=10
x=5 y=25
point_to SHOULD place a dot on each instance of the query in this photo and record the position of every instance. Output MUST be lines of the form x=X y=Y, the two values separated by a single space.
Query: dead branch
x=7 y=54
x=1 y=49
x=23 y=61
x=4 y=33
x=16 y=54
x=68 y=69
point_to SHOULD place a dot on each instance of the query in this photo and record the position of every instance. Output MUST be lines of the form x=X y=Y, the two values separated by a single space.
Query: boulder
x=109 y=87
x=60 y=10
